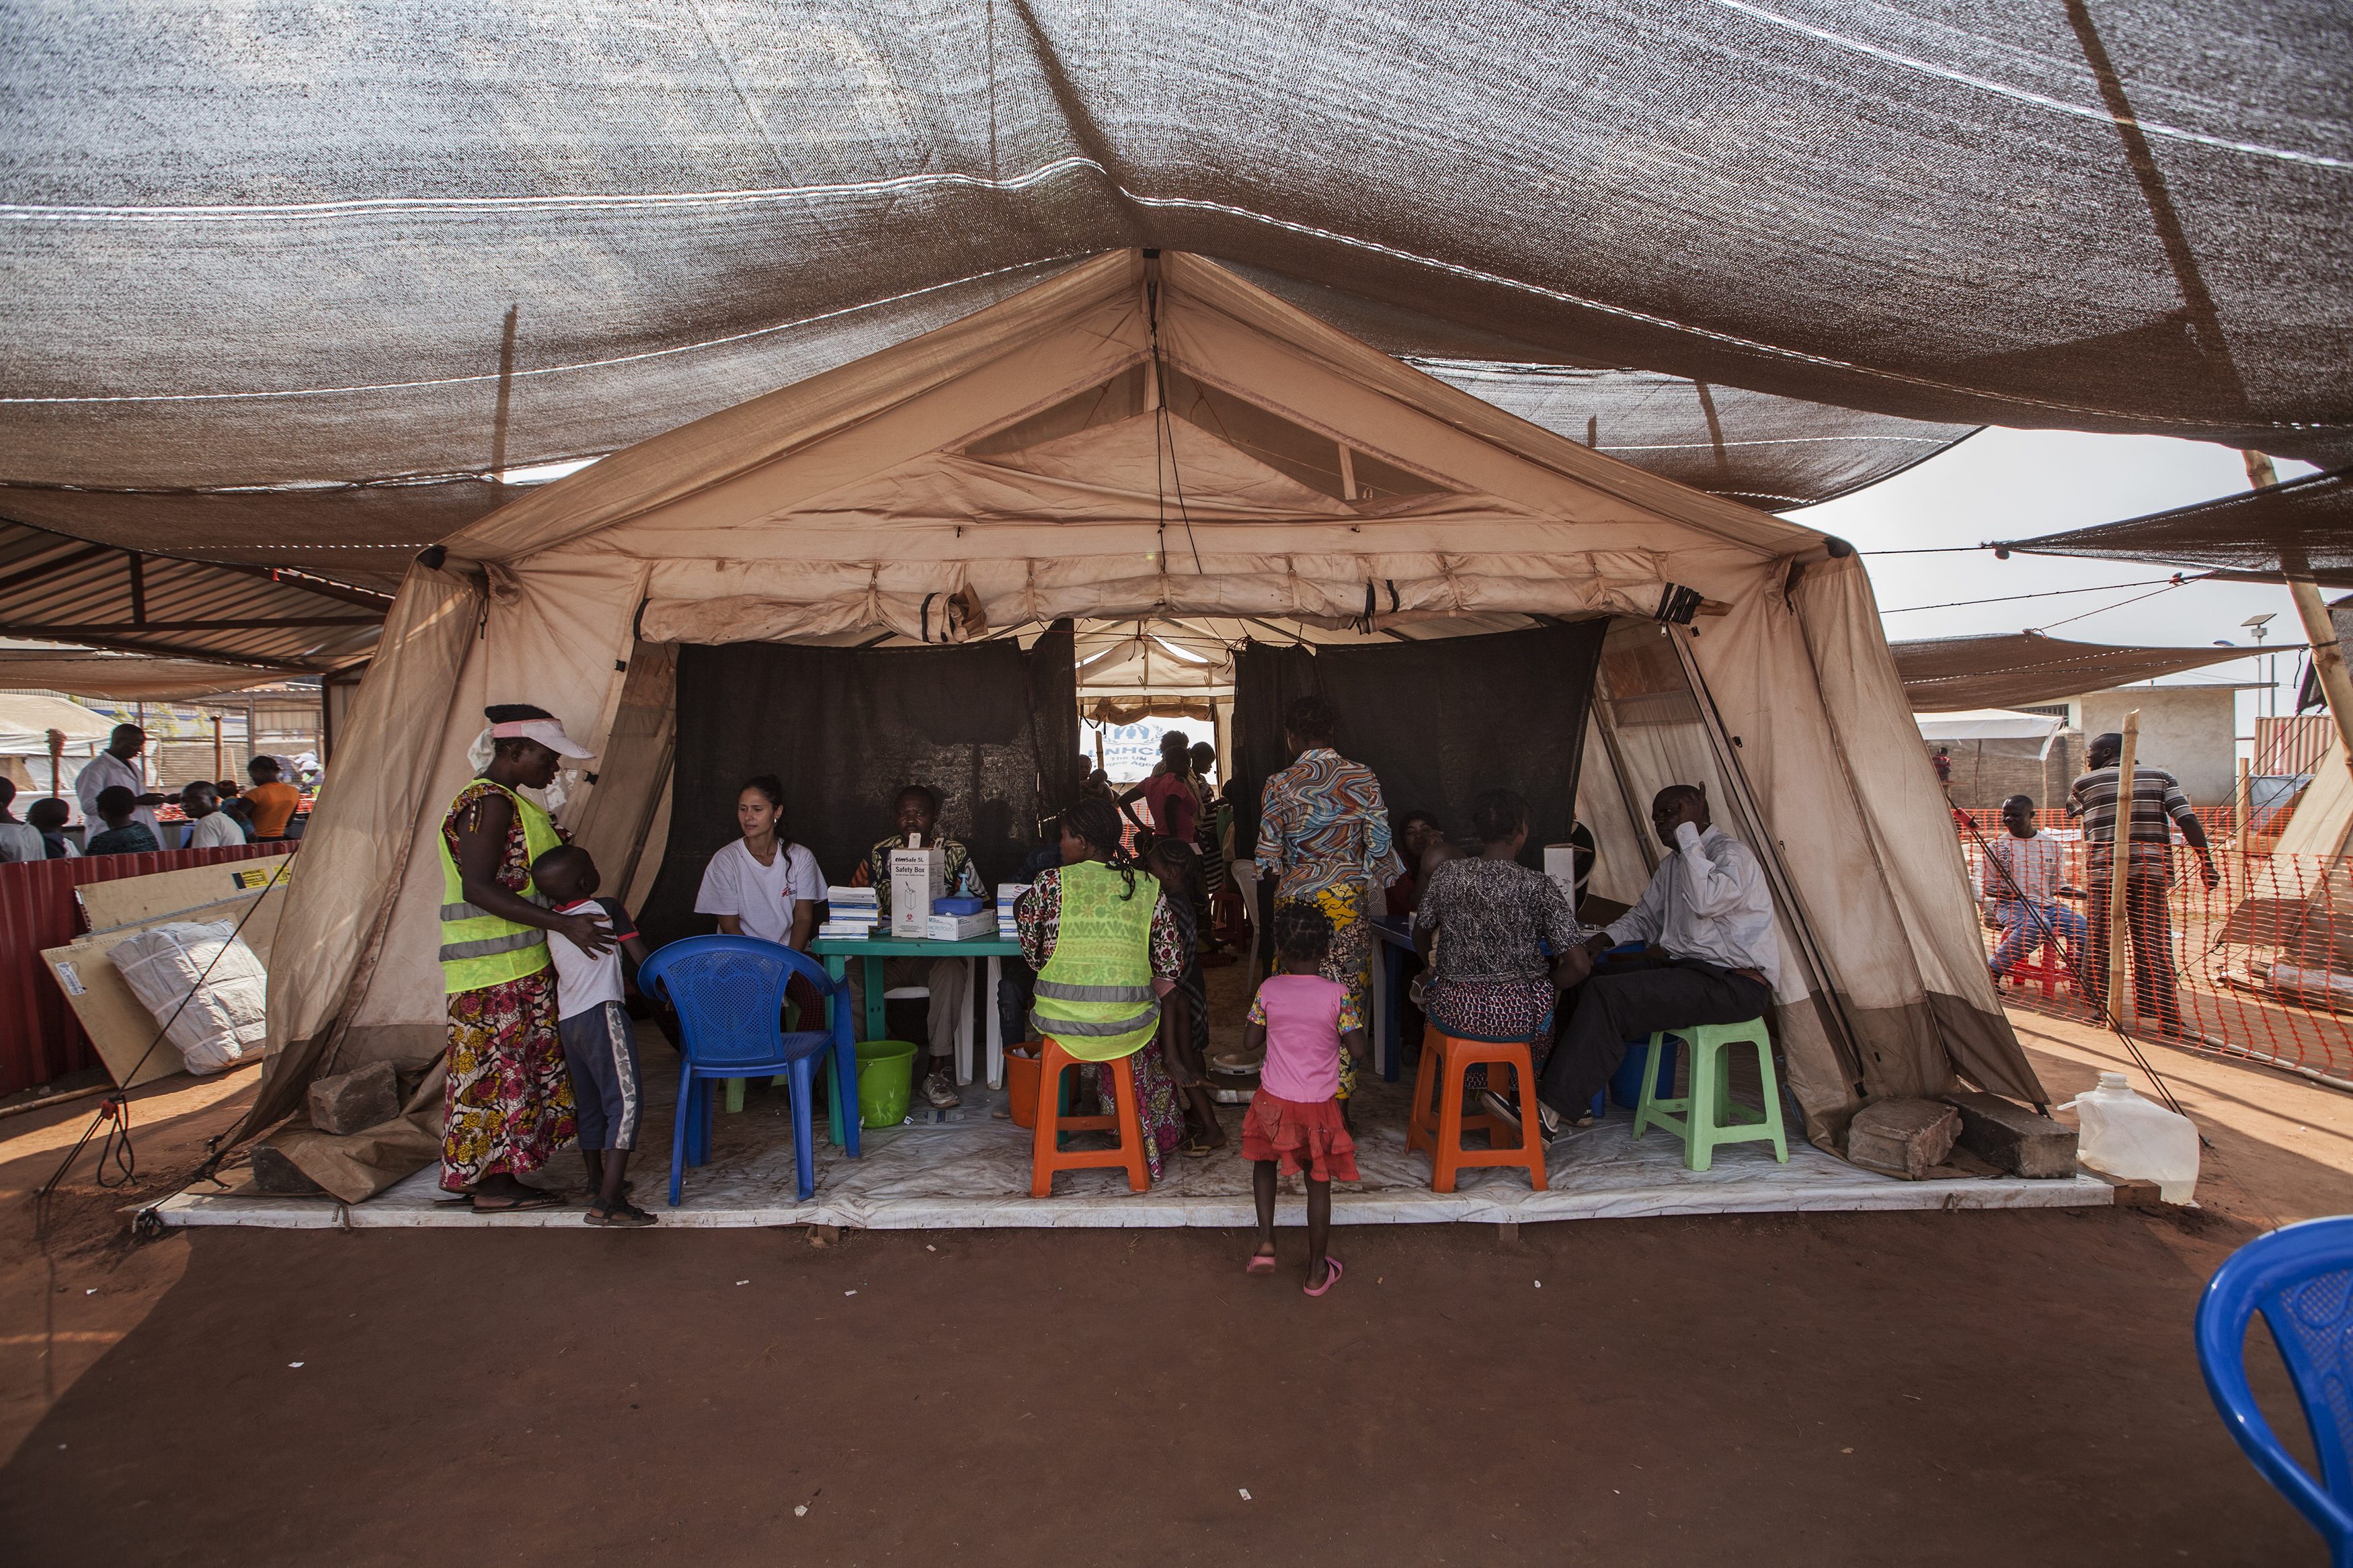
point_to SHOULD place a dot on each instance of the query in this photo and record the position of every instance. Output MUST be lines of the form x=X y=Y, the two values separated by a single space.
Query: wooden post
x=2246 y=809
x=2120 y=1007
x=217 y=758
x=57 y=753
x=2319 y=630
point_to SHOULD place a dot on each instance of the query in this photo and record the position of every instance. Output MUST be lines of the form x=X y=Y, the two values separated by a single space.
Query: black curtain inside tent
x=845 y=730
x=1437 y=721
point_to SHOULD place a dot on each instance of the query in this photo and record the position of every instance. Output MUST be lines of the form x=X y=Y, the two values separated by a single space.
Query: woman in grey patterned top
x=1490 y=978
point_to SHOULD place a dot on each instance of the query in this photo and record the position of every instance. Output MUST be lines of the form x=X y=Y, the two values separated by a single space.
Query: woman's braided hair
x=1095 y=824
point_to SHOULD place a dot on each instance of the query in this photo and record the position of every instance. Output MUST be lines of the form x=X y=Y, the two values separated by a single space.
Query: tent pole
x=2120 y=1002
x=1848 y=1040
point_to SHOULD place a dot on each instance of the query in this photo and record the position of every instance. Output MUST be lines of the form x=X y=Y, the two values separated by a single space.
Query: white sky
x=2014 y=484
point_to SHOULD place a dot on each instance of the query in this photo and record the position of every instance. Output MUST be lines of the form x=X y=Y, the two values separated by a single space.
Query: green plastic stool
x=1710 y=1115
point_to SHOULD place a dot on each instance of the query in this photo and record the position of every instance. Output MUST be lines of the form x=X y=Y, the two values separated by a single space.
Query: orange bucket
x=1021 y=1089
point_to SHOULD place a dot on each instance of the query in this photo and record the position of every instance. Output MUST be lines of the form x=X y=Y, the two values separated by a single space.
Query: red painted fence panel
x=39 y=1038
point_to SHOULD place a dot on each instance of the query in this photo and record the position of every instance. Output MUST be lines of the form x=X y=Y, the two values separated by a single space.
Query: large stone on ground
x=1906 y=1138
x=356 y=1101
x=274 y=1173
x=2015 y=1138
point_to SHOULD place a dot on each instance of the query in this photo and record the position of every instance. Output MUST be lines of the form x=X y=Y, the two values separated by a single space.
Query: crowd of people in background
x=118 y=809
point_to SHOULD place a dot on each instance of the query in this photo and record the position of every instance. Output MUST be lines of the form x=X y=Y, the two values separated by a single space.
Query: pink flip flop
x=1258 y=1264
x=1330 y=1277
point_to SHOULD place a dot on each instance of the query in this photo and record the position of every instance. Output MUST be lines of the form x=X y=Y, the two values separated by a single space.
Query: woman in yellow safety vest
x=1106 y=948
x=509 y=1100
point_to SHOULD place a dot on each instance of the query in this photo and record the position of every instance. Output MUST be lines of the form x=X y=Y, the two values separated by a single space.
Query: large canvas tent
x=1149 y=438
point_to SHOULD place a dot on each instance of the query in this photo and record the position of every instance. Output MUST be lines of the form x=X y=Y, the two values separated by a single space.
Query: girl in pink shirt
x=1302 y=1021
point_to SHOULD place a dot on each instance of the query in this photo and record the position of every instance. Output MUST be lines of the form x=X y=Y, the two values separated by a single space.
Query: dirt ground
x=1917 y=1388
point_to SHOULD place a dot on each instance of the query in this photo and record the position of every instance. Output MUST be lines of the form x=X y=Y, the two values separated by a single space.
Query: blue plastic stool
x=1626 y=1083
x=2300 y=1278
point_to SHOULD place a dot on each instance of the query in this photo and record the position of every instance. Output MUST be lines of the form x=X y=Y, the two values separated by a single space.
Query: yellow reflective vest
x=1095 y=995
x=481 y=948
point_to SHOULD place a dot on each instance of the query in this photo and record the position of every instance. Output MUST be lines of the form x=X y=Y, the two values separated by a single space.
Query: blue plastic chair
x=730 y=995
x=2301 y=1278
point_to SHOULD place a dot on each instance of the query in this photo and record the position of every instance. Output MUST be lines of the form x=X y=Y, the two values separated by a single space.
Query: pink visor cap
x=548 y=732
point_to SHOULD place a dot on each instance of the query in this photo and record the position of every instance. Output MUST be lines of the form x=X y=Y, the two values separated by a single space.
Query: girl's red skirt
x=1310 y=1138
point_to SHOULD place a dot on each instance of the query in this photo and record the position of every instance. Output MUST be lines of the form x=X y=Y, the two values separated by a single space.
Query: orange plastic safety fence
x=2261 y=964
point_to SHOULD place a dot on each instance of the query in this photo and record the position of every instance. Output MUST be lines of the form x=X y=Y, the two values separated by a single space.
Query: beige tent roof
x=26 y=722
x=845 y=500
x=1154 y=441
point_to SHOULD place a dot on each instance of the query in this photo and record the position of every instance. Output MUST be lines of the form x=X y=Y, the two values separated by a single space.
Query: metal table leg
x=964 y=1027
x=996 y=1024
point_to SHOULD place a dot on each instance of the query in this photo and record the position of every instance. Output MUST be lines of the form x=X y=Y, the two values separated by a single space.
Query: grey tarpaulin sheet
x=967 y=1169
x=417 y=238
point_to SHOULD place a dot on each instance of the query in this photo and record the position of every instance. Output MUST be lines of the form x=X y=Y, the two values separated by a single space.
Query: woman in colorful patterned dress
x=1091 y=832
x=509 y=1100
x=1324 y=832
x=1490 y=978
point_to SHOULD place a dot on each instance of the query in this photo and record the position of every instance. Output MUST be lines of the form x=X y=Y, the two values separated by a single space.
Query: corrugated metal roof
x=62 y=589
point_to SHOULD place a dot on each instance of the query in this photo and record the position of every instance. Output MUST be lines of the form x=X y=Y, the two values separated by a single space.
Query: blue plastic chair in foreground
x=730 y=995
x=2301 y=1279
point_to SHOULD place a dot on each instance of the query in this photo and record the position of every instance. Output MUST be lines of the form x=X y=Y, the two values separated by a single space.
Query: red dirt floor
x=1954 y=1388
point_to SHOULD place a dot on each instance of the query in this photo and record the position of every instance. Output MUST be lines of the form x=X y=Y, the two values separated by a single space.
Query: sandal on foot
x=1260 y=1263
x=1330 y=1277
x=623 y=1215
x=531 y=1200
x=1198 y=1148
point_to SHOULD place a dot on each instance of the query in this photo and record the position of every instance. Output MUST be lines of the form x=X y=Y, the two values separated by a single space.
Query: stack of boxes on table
x=918 y=908
x=851 y=913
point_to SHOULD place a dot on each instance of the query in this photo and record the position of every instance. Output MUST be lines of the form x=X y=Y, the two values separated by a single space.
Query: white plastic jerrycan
x=2136 y=1139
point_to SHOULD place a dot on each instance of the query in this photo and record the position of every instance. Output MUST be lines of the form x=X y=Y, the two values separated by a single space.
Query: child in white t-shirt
x=600 y=1046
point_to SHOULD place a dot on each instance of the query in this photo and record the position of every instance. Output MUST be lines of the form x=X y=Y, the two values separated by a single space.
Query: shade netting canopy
x=2303 y=528
x=2018 y=669
x=382 y=249
x=1148 y=444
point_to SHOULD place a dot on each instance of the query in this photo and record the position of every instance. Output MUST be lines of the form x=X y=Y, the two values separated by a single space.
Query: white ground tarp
x=1145 y=437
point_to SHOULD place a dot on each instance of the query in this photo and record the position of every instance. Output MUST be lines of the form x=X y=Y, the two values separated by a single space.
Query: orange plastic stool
x=1440 y=1131
x=2051 y=973
x=1045 y=1158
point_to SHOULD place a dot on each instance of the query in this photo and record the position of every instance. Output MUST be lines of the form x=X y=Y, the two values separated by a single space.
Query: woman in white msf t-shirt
x=764 y=885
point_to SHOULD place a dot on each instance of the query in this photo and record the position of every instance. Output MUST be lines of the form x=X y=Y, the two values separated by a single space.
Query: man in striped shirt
x=2157 y=807
x=2022 y=877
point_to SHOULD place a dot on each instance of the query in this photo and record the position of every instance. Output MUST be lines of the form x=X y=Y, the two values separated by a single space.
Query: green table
x=837 y=951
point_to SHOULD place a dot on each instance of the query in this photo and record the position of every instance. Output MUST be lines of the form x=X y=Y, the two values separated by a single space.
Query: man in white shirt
x=1708 y=905
x=119 y=764
x=212 y=827
x=2021 y=876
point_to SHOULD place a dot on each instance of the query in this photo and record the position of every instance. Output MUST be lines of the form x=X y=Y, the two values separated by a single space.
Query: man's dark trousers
x=2148 y=926
x=1628 y=999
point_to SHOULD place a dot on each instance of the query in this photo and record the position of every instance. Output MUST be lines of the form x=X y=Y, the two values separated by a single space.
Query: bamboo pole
x=2319 y=630
x=2120 y=1007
